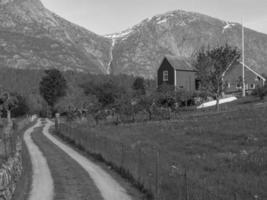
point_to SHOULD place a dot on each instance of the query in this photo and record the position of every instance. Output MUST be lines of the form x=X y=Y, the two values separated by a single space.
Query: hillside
x=140 y=50
x=32 y=37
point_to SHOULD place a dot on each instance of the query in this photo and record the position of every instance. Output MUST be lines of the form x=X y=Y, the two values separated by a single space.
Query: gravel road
x=108 y=187
x=42 y=182
x=61 y=173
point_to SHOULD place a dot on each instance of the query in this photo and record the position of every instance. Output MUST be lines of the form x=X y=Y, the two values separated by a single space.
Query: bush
x=260 y=91
x=21 y=109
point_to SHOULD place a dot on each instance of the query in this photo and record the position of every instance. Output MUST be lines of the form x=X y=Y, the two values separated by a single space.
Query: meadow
x=195 y=157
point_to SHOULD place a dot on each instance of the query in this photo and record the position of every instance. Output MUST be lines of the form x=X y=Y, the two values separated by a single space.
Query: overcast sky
x=109 y=16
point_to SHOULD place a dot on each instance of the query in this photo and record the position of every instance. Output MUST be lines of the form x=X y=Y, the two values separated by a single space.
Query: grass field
x=213 y=156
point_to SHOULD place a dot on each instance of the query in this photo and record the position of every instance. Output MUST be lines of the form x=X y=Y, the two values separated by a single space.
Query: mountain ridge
x=32 y=37
x=180 y=33
x=29 y=18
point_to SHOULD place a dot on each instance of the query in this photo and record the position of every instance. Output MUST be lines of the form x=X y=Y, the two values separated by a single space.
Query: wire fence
x=162 y=114
x=148 y=167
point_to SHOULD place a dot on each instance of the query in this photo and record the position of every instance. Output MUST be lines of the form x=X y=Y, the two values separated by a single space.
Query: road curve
x=108 y=187
x=42 y=182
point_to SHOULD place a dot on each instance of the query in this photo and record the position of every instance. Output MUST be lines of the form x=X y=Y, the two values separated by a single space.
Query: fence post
x=5 y=145
x=139 y=164
x=122 y=155
x=157 y=175
x=185 y=186
x=235 y=196
x=94 y=141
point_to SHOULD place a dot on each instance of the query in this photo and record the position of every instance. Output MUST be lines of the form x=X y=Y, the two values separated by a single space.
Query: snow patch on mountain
x=228 y=26
x=119 y=35
x=161 y=21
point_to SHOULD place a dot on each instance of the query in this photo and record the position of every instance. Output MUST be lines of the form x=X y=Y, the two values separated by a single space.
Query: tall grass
x=218 y=157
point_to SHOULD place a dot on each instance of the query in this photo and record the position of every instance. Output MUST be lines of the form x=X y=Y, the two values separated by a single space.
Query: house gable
x=181 y=73
x=233 y=78
x=166 y=68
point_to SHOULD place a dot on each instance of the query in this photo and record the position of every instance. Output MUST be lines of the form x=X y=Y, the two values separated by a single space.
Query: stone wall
x=10 y=173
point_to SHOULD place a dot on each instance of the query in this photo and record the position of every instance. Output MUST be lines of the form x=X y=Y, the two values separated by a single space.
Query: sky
x=110 y=16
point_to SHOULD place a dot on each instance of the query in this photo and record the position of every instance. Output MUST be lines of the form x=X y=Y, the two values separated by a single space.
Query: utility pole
x=243 y=60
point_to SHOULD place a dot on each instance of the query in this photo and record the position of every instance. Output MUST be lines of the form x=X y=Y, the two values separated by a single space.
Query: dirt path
x=108 y=187
x=42 y=182
x=71 y=181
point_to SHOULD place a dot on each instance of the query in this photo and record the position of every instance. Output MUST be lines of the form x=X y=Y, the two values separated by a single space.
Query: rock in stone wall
x=10 y=173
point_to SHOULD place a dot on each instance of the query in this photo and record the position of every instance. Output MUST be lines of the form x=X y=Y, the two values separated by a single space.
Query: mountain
x=139 y=50
x=32 y=37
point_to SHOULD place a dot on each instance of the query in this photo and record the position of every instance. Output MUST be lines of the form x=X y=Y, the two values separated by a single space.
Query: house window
x=165 y=75
x=257 y=78
x=252 y=86
x=238 y=86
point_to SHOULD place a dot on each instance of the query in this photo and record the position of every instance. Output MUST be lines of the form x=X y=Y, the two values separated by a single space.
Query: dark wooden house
x=179 y=72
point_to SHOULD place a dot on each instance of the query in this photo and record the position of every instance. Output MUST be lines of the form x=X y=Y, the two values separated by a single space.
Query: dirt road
x=61 y=173
x=42 y=182
x=71 y=181
x=108 y=187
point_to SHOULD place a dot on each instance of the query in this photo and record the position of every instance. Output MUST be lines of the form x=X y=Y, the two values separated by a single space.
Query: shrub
x=260 y=91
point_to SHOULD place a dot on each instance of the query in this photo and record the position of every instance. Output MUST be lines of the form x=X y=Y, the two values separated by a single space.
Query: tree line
x=79 y=94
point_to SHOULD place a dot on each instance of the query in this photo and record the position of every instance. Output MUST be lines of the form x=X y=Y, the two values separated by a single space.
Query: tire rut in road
x=42 y=187
x=71 y=181
x=109 y=188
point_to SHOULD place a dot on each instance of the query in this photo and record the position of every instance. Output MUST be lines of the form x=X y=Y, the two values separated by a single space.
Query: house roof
x=250 y=69
x=254 y=72
x=180 y=63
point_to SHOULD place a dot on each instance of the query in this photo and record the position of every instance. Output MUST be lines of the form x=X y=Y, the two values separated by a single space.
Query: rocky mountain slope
x=32 y=37
x=140 y=50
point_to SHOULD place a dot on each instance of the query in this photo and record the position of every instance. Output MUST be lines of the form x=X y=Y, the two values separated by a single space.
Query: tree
x=183 y=97
x=211 y=65
x=106 y=91
x=139 y=86
x=52 y=87
x=8 y=102
x=264 y=75
x=260 y=91
x=146 y=103
x=21 y=107
x=165 y=96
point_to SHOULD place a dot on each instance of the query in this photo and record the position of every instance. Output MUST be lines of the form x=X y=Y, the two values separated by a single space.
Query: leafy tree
x=211 y=65
x=21 y=107
x=8 y=103
x=106 y=92
x=260 y=91
x=35 y=103
x=165 y=96
x=52 y=86
x=139 y=86
x=146 y=103
x=183 y=97
x=264 y=75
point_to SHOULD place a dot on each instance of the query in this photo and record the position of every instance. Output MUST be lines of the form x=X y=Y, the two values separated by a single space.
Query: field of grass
x=215 y=156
